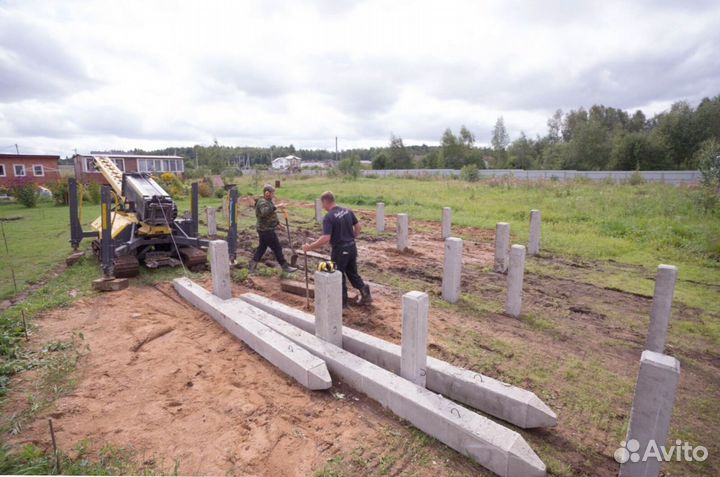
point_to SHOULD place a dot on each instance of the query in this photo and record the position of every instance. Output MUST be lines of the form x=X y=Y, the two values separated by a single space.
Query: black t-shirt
x=338 y=224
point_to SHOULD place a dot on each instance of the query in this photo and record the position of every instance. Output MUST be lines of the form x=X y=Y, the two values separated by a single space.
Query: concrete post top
x=534 y=211
x=659 y=359
x=381 y=203
x=518 y=248
x=402 y=215
x=327 y=275
x=502 y=224
x=672 y=268
x=447 y=208
x=453 y=240
x=416 y=295
x=218 y=243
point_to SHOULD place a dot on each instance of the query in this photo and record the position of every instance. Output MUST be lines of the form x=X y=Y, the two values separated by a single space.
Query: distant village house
x=28 y=168
x=287 y=163
x=86 y=173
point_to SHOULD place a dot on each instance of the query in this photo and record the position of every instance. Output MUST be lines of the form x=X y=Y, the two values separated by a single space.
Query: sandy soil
x=194 y=393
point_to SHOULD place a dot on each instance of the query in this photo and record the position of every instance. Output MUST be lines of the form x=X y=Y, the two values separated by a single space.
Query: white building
x=287 y=162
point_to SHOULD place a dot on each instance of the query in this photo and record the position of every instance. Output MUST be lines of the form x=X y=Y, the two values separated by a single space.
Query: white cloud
x=96 y=75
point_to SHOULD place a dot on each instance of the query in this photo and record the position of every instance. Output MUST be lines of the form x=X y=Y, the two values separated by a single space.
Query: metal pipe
x=76 y=233
x=106 y=232
x=232 y=229
x=194 y=215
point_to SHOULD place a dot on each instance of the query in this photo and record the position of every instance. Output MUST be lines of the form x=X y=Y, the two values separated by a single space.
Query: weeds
x=55 y=364
x=108 y=460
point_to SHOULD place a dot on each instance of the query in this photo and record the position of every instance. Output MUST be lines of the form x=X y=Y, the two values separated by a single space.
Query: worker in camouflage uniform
x=267 y=221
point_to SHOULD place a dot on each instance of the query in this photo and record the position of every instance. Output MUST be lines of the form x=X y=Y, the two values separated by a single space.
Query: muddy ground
x=197 y=396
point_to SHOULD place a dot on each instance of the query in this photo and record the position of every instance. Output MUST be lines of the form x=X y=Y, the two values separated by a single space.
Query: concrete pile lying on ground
x=512 y=404
x=499 y=449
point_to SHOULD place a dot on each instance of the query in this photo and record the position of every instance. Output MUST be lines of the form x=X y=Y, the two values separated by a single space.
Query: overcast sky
x=150 y=74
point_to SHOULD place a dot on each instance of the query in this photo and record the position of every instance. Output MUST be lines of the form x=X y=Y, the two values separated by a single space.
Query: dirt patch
x=167 y=381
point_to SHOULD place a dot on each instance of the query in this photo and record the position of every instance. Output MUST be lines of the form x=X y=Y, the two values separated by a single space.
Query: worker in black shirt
x=340 y=228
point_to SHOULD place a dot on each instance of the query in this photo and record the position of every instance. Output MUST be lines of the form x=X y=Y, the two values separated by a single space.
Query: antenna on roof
x=17 y=150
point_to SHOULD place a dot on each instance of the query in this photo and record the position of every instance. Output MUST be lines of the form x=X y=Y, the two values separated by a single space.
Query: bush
x=470 y=173
x=240 y=275
x=172 y=184
x=204 y=189
x=636 y=178
x=60 y=191
x=707 y=200
x=26 y=194
x=380 y=161
x=229 y=174
x=219 y=193
x=350 y=168
x=92 y=193
x=708 y=159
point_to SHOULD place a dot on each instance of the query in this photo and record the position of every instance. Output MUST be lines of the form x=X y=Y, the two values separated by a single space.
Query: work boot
x=365 y=297
x=288 y=269
x=252 y=266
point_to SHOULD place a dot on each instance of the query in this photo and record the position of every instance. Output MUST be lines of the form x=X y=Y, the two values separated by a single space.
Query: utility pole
x=17 y=151
x=336 y=150
x=196 y=159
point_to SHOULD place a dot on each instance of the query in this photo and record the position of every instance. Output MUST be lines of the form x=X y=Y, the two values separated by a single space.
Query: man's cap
x=268 y=188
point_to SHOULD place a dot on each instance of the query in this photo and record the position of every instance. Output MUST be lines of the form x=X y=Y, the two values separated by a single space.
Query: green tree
x=452 y=150
x=708 y=160
x=636 y=150
x=707 y=118
x=678 y=135
x=466 y=138
x=212 y=157
x=380 y=161
x=398 y=157
x=432 y=160
x=500 y=138
x=552 y=156
x=521 y=152
x=637 y=122
x=555 y=127
x=572 y=121
x=589 y=148
x=475 y=157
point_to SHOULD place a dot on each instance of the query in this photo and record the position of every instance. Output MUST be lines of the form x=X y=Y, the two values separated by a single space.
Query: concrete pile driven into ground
x=499 y=449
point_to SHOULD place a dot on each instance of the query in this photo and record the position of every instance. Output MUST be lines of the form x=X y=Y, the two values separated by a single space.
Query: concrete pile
x=402 y=378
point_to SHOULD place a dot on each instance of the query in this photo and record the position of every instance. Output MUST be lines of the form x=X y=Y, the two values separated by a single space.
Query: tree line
x=599 y=138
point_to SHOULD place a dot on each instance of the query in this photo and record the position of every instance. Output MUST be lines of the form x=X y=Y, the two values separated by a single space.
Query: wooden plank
x=296 y=288
x=319 y=256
